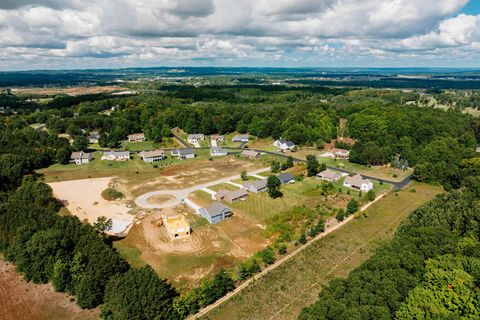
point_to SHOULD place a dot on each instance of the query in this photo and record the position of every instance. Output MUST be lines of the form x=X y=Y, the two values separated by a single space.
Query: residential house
x=286 y=178
x=215 y=213
x=116 y=155
x=152 y=156
x=177 y=226
x=341 y=153
x=81 y=157
x=256 y=186
x=284 y=144
x=241 y=138
x=231 y=196
x=329 y=175
x=183 y=153
x=217 y=137
x=250 y=154
x=194 y=138
x=93 y=137
x=136 y=137
x=358 y=182
x=217 y=151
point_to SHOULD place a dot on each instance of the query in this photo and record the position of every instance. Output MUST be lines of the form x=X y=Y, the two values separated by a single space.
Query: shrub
x=111 y=194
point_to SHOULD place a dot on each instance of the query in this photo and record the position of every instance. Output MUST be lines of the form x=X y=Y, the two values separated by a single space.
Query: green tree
x=80 y=143
x=352 y=207
x=312 y=165
x=63 y=155
x=244 y=175
x=103 y=224
x=267 y=255
x=340 y=216
x=289 y=162
x=371 y=195
x=273 y=185
x=275 y=166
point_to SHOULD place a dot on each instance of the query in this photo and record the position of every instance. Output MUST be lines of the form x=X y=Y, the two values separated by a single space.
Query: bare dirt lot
x=186 y=261
x=83 y=199
x=21 y=300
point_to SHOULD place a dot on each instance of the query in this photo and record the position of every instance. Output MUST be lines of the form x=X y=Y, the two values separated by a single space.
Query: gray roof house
x=329 y=175
x=93 y=137
x=241 y=138
x=81 y=157
x=358 y=182
x=251 y=154
x=152 y=156
x=231 y=196
x=193 y=138
x=217 y=151
x=183 y=153
x=286 y=178
x=256 y=186
x=284 y=144
x=215 y=213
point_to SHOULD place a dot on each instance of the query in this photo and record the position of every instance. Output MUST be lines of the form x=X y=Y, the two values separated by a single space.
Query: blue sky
x=53 y=34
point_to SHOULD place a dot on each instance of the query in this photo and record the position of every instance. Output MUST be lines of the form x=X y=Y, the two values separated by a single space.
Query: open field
x=21 y=300
x=72 y=91
x=83 y=198
x=139 y=177
x=185 y=261
x=382 y=172
x=283 y=292
x=150 y=145
x=472 y=111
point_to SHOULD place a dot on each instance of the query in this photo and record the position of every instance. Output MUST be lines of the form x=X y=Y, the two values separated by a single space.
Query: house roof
x=357 y=180
x=285 y=177
x=257 y=184
x=136 y=135
x=288 y=143
x=196 y=136
x=116 y=153
x=237 y=193
x=250 y=153
x=216 y=209
x=217 y=150
x=217 y=137
x=241 y=136
x=80 y=155
x=153 y=154
x=329 y=174
x=183 y=152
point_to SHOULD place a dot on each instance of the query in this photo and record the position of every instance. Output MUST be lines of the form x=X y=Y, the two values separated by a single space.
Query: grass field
x=381 y=172
x=150 y=145
x=283 y=292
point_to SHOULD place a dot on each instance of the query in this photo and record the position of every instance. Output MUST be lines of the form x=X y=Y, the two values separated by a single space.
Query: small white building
x=152 y=156
x=136 y=137
x=93 y=137
x=217 y=152
x=358 y=182
x=329 y=175
x=240 y=138
x=81 y=157
x=284 y=144
x=194 y=138
x=183 y=153
x=116 y=155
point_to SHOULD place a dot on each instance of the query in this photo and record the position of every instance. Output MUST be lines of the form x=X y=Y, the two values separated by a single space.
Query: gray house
x=215 y=213
x=183 y=153
x=286 y=178
x=152 y=156
x=241 y=138
x=329 y=175
x=81 y=157
x=256 y=186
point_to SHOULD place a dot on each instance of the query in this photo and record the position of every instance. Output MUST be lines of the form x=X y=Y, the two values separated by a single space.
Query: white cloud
x=71 y=32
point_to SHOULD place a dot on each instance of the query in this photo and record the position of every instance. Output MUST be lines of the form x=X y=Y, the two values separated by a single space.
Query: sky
x=81 y=34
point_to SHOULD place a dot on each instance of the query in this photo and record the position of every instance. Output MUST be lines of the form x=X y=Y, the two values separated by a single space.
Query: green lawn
x=149 y=145
x=286 y=290
x=377 y=172
x=221 y=186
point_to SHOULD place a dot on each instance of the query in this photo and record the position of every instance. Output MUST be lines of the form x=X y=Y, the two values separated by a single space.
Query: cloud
x=248 y=32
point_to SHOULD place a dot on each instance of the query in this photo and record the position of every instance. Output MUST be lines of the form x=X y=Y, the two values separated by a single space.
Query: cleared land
x=72 y=91
x=21 y=300
x=83 y=198
x=186 y=261
x=283 y=292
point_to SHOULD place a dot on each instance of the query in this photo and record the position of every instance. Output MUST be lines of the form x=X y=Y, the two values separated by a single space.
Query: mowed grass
x=381 y=172
x=286 y=290
x=97 y=168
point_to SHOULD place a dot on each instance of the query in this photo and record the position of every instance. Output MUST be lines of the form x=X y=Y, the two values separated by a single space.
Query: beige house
x=357 y=182
x=329 y=175
x=136 y=137
x=250 y=154
x=231 y=196
x=177 y=226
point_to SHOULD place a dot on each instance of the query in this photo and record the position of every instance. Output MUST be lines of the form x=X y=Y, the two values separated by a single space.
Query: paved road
x=181 y=194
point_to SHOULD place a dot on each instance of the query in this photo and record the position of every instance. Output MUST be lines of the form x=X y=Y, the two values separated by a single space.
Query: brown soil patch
x=21 y=300
x=159 y=199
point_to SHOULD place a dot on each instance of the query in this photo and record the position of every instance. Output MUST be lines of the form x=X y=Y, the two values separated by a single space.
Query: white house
x=329 y=175
x=240 y=138
x=93 y=137
x=116 y=155
x=357 y=182
x=136 y=137
x=284 y=144
x=194 y=138
x=217 y=151
x=152 y=156
x=183 y=153
x=81 y=157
